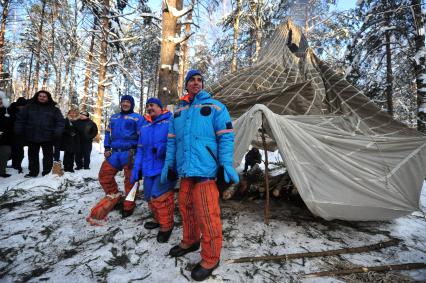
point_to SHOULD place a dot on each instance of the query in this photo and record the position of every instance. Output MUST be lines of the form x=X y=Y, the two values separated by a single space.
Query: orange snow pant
x=107 y=180
x=163 y=209
x=199 y=207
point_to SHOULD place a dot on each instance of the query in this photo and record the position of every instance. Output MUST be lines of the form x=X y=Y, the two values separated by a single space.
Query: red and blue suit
x=149 y=162
x=121 y=138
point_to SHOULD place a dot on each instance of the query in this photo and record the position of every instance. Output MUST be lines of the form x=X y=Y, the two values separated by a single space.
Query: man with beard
x=40 y=123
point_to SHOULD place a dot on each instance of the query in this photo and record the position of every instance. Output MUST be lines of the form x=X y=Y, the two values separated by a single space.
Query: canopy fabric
x=341 y=171
x=348 y=158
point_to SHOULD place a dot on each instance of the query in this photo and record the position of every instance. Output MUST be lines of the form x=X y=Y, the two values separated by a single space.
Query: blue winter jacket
x=152 y=144
x=122 y=132
x=201 y=137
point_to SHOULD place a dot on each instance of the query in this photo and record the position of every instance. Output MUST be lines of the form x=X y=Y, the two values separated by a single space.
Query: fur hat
x=4 y=99
x=192 y=73
x=155 y=101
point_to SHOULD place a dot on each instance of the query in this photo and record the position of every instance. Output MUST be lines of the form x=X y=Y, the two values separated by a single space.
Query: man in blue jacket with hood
x=149 y=162
x=121 y=138
x=200 y=145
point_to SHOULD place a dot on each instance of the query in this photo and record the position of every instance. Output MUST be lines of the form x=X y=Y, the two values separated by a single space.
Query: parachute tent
x=349 y=159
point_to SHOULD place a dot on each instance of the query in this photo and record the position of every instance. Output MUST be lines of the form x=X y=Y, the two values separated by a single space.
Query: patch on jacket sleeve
x=206 y=110
x=229 y=125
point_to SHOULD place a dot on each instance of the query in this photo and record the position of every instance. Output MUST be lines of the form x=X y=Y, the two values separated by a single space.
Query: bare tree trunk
x=38 y=47
x=256 y=9
x=141 y=105
x=103 y=65
x=420 y=64
x=183 y=63
x=46 y=74
x=58 y=83
x=389 y=75
x=167 y=87
x=234 y=63
x=2 y=33
x=27 y=89
x=88 y=71
x=71 y=85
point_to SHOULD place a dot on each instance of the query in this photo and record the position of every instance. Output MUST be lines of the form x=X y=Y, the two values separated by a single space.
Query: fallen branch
x=382 y=268
x=286 y=257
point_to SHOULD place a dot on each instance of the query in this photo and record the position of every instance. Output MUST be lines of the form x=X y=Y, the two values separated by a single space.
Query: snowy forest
x=89 y=53
x=313 y=162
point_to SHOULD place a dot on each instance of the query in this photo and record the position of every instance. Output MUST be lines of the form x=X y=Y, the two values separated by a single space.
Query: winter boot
x=57 y=168
x=104 y=206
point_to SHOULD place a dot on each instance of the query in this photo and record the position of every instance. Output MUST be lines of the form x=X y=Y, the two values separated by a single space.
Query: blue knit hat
x=192 y=73
x=129 y=98
x=155 y=101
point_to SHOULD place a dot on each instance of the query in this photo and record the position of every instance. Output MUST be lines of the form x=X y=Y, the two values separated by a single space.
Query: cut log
x=382 y=268
x=277 y=192
x=286 y=257
x=229 y=192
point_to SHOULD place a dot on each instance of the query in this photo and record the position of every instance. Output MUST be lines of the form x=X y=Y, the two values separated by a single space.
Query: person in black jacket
x=252 y=157
x=40 y=123
x=6 y=133
x=87 y=130
x=18 y=141
x=70 y=140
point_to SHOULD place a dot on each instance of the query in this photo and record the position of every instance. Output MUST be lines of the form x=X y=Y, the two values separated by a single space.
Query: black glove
x=172 y=175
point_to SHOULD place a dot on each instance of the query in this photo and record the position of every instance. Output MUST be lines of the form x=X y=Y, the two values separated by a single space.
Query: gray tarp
x=339 y=169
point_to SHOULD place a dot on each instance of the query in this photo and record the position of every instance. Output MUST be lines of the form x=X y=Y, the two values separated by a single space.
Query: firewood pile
x=252 y=186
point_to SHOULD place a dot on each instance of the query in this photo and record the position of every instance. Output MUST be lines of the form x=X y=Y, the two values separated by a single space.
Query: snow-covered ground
x=44 y=237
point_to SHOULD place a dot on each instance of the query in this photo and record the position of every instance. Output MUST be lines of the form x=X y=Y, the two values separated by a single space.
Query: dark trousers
x=33 y=150
x=17 y=154
x=68 y=161
x=82 y=157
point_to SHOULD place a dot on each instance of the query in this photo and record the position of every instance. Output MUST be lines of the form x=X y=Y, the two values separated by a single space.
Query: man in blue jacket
x=121 y=138
x=200 y=143
x=149 y=162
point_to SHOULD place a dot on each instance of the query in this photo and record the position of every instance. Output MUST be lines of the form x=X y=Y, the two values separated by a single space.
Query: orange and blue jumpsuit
x=121 y=137
x=149 y=160
x=200 y=140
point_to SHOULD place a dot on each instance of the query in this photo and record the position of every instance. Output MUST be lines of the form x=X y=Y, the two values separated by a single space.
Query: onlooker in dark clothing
x=40 y=123
x=6 y=134
x=252 y=157
x=87 y=130
x=70 y=140
x=18 y=141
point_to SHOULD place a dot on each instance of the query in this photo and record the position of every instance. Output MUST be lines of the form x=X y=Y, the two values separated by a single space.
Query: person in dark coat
x=70 y=143
x=252 y=157
x=18 y=141
x=87 y=130
x=6 y=134
x=40 y=123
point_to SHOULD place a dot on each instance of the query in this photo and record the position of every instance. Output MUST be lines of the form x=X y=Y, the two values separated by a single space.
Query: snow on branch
x=175 y=12
x=178 y=40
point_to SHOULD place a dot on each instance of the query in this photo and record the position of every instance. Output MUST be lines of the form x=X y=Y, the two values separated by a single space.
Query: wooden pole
x=286 y=257
x=365 y=269
x=265 y=148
